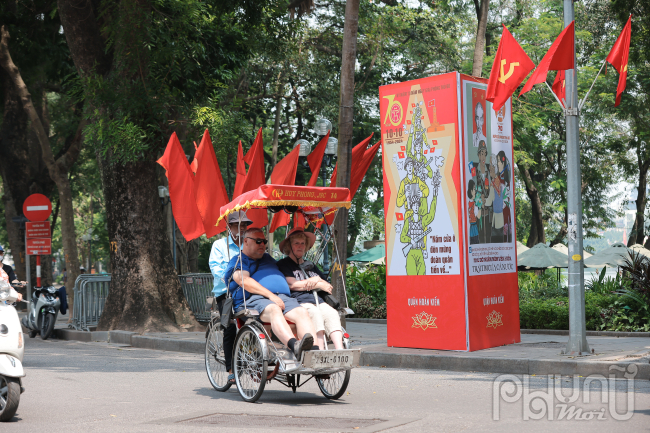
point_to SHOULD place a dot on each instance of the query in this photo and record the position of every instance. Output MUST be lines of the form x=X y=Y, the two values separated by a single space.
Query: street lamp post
x=328 y=160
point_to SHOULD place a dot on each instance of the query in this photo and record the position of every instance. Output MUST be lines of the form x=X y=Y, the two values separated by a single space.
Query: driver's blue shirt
x=265 y=271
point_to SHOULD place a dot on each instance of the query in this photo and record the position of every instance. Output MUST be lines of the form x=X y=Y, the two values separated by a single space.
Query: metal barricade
x=90 y=292
x=197 y=287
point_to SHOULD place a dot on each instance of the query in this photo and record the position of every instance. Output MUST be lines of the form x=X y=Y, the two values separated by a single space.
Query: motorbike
x=43 y=311
x=12 y=349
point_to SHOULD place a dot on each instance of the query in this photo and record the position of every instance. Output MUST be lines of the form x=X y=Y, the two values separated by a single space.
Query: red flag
x=284 y=173
x=559 y=86
x=255 y=177
x=210 y=190
x=241 y=173
x=511 y=65
x=559 y=57
x=359 y=171
x=315 y=159
x=357 y=155
x=255 y=159
x=618 y=57
x=181 y=189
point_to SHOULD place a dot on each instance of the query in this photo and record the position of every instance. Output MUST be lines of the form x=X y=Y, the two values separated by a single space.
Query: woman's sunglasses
x=259 y=241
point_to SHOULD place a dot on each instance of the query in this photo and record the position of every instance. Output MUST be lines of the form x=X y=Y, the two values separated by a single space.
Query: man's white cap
x=237 y=217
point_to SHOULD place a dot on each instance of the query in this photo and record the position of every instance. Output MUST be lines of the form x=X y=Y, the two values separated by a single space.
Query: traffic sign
x=39 y=247
x=37 y=207
x=39 y=229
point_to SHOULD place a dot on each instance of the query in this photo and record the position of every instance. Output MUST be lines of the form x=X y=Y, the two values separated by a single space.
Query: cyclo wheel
x=333 y=386
x=249 y=364
x=215 y=360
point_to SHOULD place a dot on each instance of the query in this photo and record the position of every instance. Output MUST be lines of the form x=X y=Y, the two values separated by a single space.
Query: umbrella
x=521 y=248
x=640 y=249
x=375 y=253
x=563 y=249
x=380 y=261
x=541 y=256
x=613 y=256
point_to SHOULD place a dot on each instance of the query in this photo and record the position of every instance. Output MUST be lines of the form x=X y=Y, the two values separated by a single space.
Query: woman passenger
x=302 y=281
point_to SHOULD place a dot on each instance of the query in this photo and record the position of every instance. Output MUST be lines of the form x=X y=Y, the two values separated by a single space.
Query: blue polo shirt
x=265 y=271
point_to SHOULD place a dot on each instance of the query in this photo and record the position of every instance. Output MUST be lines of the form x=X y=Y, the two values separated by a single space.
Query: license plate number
x=329 y=358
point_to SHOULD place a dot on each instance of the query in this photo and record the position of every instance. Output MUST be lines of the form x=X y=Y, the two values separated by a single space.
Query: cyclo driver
x=267 y=292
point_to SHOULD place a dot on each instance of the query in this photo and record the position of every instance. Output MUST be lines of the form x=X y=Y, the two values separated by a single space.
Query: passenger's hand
x=310 y=284
x=20 y=297
x=326 y=287
x=277 y=301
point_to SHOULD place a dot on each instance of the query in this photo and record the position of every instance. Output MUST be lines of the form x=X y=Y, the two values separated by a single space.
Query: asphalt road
x=87 y=387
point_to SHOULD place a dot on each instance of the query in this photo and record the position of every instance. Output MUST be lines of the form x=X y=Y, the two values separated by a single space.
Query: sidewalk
x=537 y=354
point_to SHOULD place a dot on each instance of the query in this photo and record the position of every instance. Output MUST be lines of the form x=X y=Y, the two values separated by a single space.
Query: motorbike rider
x=5 y=277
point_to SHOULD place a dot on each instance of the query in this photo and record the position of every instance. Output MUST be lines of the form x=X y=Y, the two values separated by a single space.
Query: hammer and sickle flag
x=618 y=57
x=511 y=66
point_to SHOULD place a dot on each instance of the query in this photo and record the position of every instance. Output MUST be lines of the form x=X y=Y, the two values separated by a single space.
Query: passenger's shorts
x=259 y=303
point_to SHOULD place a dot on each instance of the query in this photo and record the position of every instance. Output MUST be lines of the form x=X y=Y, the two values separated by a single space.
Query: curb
x=375 y=321
x=132 y=339
x=372 y=358
x=589 y=333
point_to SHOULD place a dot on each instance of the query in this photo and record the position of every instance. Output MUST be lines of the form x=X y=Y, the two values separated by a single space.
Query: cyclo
x=259 y=358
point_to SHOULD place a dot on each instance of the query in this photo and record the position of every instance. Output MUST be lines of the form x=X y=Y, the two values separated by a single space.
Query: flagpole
x=577 y=344
x=592 y=86
x=553 y=93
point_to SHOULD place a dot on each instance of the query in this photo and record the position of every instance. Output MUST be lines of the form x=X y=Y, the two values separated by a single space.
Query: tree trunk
x=638 y=230
x=58 y=170
x=537 y=234
x=14 y=235
x=346 y=135
x=145 y=292
x=479 y=46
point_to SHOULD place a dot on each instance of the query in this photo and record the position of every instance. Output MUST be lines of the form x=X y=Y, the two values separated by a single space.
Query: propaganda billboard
x=431 y=135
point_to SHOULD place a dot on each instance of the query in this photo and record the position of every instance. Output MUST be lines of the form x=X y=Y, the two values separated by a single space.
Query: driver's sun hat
x=239 y=217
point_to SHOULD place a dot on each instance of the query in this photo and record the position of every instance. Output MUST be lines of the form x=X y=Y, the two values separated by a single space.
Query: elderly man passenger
x=301 y=281
x=223 y=250
x=267 y=291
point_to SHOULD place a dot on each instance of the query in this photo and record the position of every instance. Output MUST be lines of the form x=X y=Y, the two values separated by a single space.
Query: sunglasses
x=259 y=241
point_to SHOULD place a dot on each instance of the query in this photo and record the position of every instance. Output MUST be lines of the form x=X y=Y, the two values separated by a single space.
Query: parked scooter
x=43 y=311
x=12 y=349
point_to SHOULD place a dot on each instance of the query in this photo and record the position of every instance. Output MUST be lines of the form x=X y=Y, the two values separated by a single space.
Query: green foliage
x=367 y=291
x=553 y=313
x=606 y=285
x=542 y=286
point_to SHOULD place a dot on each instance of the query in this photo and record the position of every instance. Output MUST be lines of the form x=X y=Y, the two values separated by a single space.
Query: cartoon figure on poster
x=413 y=195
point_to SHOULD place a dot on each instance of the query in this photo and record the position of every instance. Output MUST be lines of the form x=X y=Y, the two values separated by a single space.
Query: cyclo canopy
x=315 y=203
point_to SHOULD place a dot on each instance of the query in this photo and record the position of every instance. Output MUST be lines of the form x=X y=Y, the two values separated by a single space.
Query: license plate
x=331 y=358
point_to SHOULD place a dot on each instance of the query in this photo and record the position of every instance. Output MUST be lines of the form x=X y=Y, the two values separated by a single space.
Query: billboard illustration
x=489 y=183
x=424 y=221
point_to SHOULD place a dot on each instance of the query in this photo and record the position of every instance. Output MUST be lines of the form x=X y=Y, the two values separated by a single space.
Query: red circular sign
x=37 y=207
